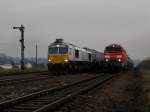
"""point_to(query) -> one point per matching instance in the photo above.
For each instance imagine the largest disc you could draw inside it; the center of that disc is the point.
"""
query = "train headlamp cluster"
(119, 57)
(119, 60)
(49, 60)
(107, 59)
(66, 60)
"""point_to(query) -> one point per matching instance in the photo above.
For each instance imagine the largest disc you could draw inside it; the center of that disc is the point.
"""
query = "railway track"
(21, 79)
(49, 99)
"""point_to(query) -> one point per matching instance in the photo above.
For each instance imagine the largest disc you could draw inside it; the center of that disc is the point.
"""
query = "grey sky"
(91, 23)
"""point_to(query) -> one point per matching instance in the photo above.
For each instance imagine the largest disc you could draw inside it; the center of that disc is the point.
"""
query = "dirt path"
(122, 94)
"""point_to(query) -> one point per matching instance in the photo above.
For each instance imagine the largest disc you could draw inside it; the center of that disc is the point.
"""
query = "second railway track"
(49, 99)
(15, 80)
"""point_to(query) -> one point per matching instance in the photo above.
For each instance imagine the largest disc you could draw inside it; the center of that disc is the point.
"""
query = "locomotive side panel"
(79, 54)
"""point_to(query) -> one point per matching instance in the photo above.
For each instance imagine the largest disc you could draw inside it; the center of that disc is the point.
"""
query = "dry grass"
(145, 64)
(145, 75)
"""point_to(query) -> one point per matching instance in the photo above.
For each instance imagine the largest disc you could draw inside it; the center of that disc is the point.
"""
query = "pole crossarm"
(21, 28)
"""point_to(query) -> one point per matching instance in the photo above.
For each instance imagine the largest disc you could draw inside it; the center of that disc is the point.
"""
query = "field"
(17, 71)
(145, 76)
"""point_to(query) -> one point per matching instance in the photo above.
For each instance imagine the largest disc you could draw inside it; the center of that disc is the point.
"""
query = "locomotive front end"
(114, 57)
(57, 56)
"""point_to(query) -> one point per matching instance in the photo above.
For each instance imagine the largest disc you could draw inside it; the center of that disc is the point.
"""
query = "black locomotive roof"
(114, 45)
(58, 42)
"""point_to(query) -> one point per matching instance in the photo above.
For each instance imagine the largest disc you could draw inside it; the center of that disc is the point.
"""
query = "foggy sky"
(85, 23)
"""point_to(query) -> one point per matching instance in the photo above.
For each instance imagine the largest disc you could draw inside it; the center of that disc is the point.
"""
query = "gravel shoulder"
(122, 94)
(20, 89)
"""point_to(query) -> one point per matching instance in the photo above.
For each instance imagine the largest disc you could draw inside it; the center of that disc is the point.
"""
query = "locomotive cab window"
(113, 49)
(53, 50)
(63, 50)
(58, 50)
(77, 53)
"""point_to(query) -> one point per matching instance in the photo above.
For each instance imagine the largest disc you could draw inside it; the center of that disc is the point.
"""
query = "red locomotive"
(116, 58)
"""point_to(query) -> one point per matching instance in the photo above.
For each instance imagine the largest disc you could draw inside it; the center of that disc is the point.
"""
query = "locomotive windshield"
(58, 50)
(63, 50)
(113, 49)
(53, 50)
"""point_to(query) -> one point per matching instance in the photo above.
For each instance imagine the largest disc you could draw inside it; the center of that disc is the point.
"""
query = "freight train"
(66, 57)
(116, 58)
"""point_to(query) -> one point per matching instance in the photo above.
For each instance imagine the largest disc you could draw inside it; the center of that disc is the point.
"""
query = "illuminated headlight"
(119, 60)
(107, 60)
(57, 45)
(49, 60)
(66, 60)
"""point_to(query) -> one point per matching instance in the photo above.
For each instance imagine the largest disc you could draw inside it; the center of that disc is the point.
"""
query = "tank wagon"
(116, 58)
(66, 57)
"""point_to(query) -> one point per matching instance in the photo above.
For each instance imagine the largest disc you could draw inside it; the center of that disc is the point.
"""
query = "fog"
(85, 23)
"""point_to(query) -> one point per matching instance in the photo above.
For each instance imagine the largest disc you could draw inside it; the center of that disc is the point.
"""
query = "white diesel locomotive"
(65, 57)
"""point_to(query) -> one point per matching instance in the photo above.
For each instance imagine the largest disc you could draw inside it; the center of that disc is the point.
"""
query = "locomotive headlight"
(119, 60)
(66, 60)
(107, 60)
(49, 60)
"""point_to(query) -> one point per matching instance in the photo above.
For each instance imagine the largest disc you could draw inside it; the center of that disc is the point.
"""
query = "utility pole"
(36, 56)
(21, 28)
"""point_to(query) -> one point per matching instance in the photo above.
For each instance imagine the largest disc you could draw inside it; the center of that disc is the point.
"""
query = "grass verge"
(18, 71)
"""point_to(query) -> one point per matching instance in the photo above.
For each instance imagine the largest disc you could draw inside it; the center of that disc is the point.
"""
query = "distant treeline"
(16, 60)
